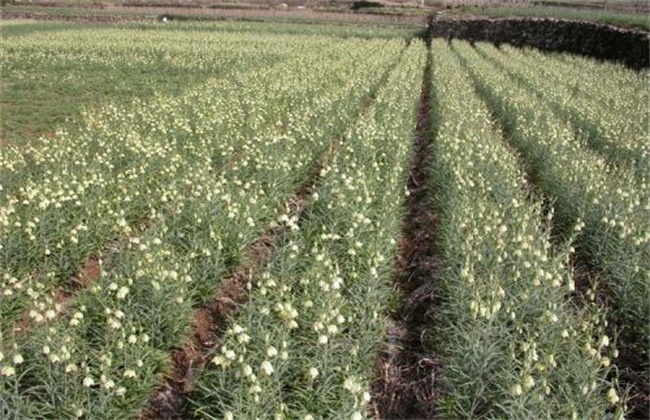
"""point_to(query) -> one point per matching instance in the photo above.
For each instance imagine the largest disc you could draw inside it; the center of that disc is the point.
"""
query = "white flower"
(356, 416)
(312, 373)
(604, 341)
(267, 368)
(612, 397)
(247, 371)
(8, 371)
(88, 382)
(352, 385)
(517, 390)
(529, 382)
(18, 359)
(271, 351)
(323, 339)
(121, 294)
(129, 373)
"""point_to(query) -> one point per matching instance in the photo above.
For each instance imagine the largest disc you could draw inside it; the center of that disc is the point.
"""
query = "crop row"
(607, 107)
(612, 202)
(116, 229)
(304, 345)
(510, 343)
(164, 193)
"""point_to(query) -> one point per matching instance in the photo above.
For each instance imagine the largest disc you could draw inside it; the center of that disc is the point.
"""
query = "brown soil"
(406, 386)
(114, 13)
(44, 15)
(88, 274)
(632, 375)
(65, 294)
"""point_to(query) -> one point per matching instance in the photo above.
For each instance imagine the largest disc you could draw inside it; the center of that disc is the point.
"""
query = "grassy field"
(255, 220)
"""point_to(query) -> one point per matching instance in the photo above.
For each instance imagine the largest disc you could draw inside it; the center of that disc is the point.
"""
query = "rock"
(599, 41)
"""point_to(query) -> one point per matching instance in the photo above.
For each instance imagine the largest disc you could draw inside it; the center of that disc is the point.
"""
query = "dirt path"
(116, 13)
(406, 386)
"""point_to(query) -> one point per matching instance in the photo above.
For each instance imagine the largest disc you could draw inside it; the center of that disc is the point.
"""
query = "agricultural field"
(252, 220)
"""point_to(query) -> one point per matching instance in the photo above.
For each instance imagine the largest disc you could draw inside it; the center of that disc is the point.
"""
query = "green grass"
(35, 99)
(58, 93)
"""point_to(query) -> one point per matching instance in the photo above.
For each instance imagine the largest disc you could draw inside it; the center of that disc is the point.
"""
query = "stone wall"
(595, 40)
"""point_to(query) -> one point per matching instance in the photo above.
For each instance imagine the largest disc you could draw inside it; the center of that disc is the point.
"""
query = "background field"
(253, 219)
(625, 13)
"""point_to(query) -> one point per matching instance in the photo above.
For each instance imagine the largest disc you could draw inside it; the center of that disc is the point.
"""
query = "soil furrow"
(406, 384)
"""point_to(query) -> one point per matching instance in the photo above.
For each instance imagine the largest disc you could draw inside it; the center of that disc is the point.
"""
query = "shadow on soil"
(406, 386)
